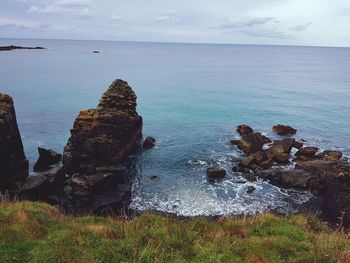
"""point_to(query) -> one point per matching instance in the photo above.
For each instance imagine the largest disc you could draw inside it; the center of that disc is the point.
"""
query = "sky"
(276, 22)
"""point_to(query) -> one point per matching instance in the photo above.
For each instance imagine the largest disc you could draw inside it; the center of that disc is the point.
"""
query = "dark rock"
(235, 142)
(13, 163)
(154, 178)
(325, 168)
(297, 145)
(47, 158)
(336, 201)
(330, 155)
(253, 142)
(295, 178)
(267, 164)
(280, 146)
(282, 158)
(244, 129)
(284, 130)
(36, 187)
(149, 143)
(216, 173)
(247, 161)
(307, 152)
(250, 189)
(106, 135)
(9, 48)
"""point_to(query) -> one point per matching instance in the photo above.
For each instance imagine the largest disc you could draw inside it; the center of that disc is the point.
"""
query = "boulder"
(284, 130)
(13, 164)
(149, 143)
(282, 158)
(253, 142)
(297, 145)
(244, 129)
(216, 173)
(330, 155)
(308, 152)
(295, 178)
(47, 158)
(280, 147)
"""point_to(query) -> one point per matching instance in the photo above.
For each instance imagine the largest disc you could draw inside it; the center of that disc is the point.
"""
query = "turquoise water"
(191, 97)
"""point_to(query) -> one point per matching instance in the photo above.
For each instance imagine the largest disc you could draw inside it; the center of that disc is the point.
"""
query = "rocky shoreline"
(91, 176)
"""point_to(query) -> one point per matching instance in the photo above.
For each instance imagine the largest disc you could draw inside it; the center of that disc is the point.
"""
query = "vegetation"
(37, 232)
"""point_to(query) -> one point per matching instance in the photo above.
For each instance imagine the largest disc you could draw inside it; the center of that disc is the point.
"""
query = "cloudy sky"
(291, 22)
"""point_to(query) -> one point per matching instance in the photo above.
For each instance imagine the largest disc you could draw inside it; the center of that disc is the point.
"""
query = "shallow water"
(191, 97)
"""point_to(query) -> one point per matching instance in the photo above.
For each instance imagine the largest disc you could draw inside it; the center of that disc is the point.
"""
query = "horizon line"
(173, 42)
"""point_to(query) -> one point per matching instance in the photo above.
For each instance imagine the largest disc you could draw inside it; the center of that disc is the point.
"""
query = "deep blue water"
(191, 96)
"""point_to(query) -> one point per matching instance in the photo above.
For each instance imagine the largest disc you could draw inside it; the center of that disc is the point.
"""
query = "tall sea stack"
(100, 140)
(13, 163)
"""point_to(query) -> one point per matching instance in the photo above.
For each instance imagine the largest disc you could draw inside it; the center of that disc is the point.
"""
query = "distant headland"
(10, 48)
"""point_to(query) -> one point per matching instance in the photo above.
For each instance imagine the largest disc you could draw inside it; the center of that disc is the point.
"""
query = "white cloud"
(170, 15)
(18, 23)
(116, 17)
(248, 22)
(77, 8)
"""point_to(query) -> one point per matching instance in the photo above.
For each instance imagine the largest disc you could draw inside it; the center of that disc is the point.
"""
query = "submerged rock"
(149, 143)
(216, 173)
(47, 158)
(284, 130)
(250, 189)
(13, 163)
(307, 152)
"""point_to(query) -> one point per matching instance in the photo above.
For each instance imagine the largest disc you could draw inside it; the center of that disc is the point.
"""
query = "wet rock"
(149, 143)
(325, 168)
(10, 48)
(297, 145)
(284, 130)
(106, 135)
(247, 161)
(280, 147)
(235, 142)
(47, 158)
(13, 163)
(253, 142)
(250, 189)
(244, 129)
(282, 158)
(216, 173)
(267, 164)
(330, 155)
(307, 152)
(295, 178)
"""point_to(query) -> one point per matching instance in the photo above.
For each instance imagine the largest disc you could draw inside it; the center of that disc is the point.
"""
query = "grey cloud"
(171, 15)
(79, 8)
(301, 27)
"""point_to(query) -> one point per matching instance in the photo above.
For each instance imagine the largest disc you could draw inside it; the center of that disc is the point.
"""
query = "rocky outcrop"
(284, 130)
(244, 129)
(13, 163)
(149, 143)
(326, 173)
(47, 158)
(106, 135)
(101, 139)
(214, 173)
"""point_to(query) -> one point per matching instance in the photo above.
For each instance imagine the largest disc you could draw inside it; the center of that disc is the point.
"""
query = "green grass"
(37, 232)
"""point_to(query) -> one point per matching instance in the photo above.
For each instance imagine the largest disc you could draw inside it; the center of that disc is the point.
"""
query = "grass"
(37, 232)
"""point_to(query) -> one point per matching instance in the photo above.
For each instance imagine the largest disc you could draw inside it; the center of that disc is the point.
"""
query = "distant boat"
(96, 52)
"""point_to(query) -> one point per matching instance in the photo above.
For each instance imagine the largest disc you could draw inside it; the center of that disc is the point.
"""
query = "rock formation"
(47, 158)
(13, 163)
(149, 143)
(284, 130)
(326, 173)
(100, 140)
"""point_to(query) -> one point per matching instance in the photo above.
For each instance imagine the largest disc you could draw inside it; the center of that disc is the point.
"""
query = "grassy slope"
(37, 232)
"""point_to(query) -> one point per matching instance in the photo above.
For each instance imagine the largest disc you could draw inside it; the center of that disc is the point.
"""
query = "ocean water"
(191, 97)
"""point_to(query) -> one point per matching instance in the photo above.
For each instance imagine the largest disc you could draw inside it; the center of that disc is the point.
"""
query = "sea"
(191, 98)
